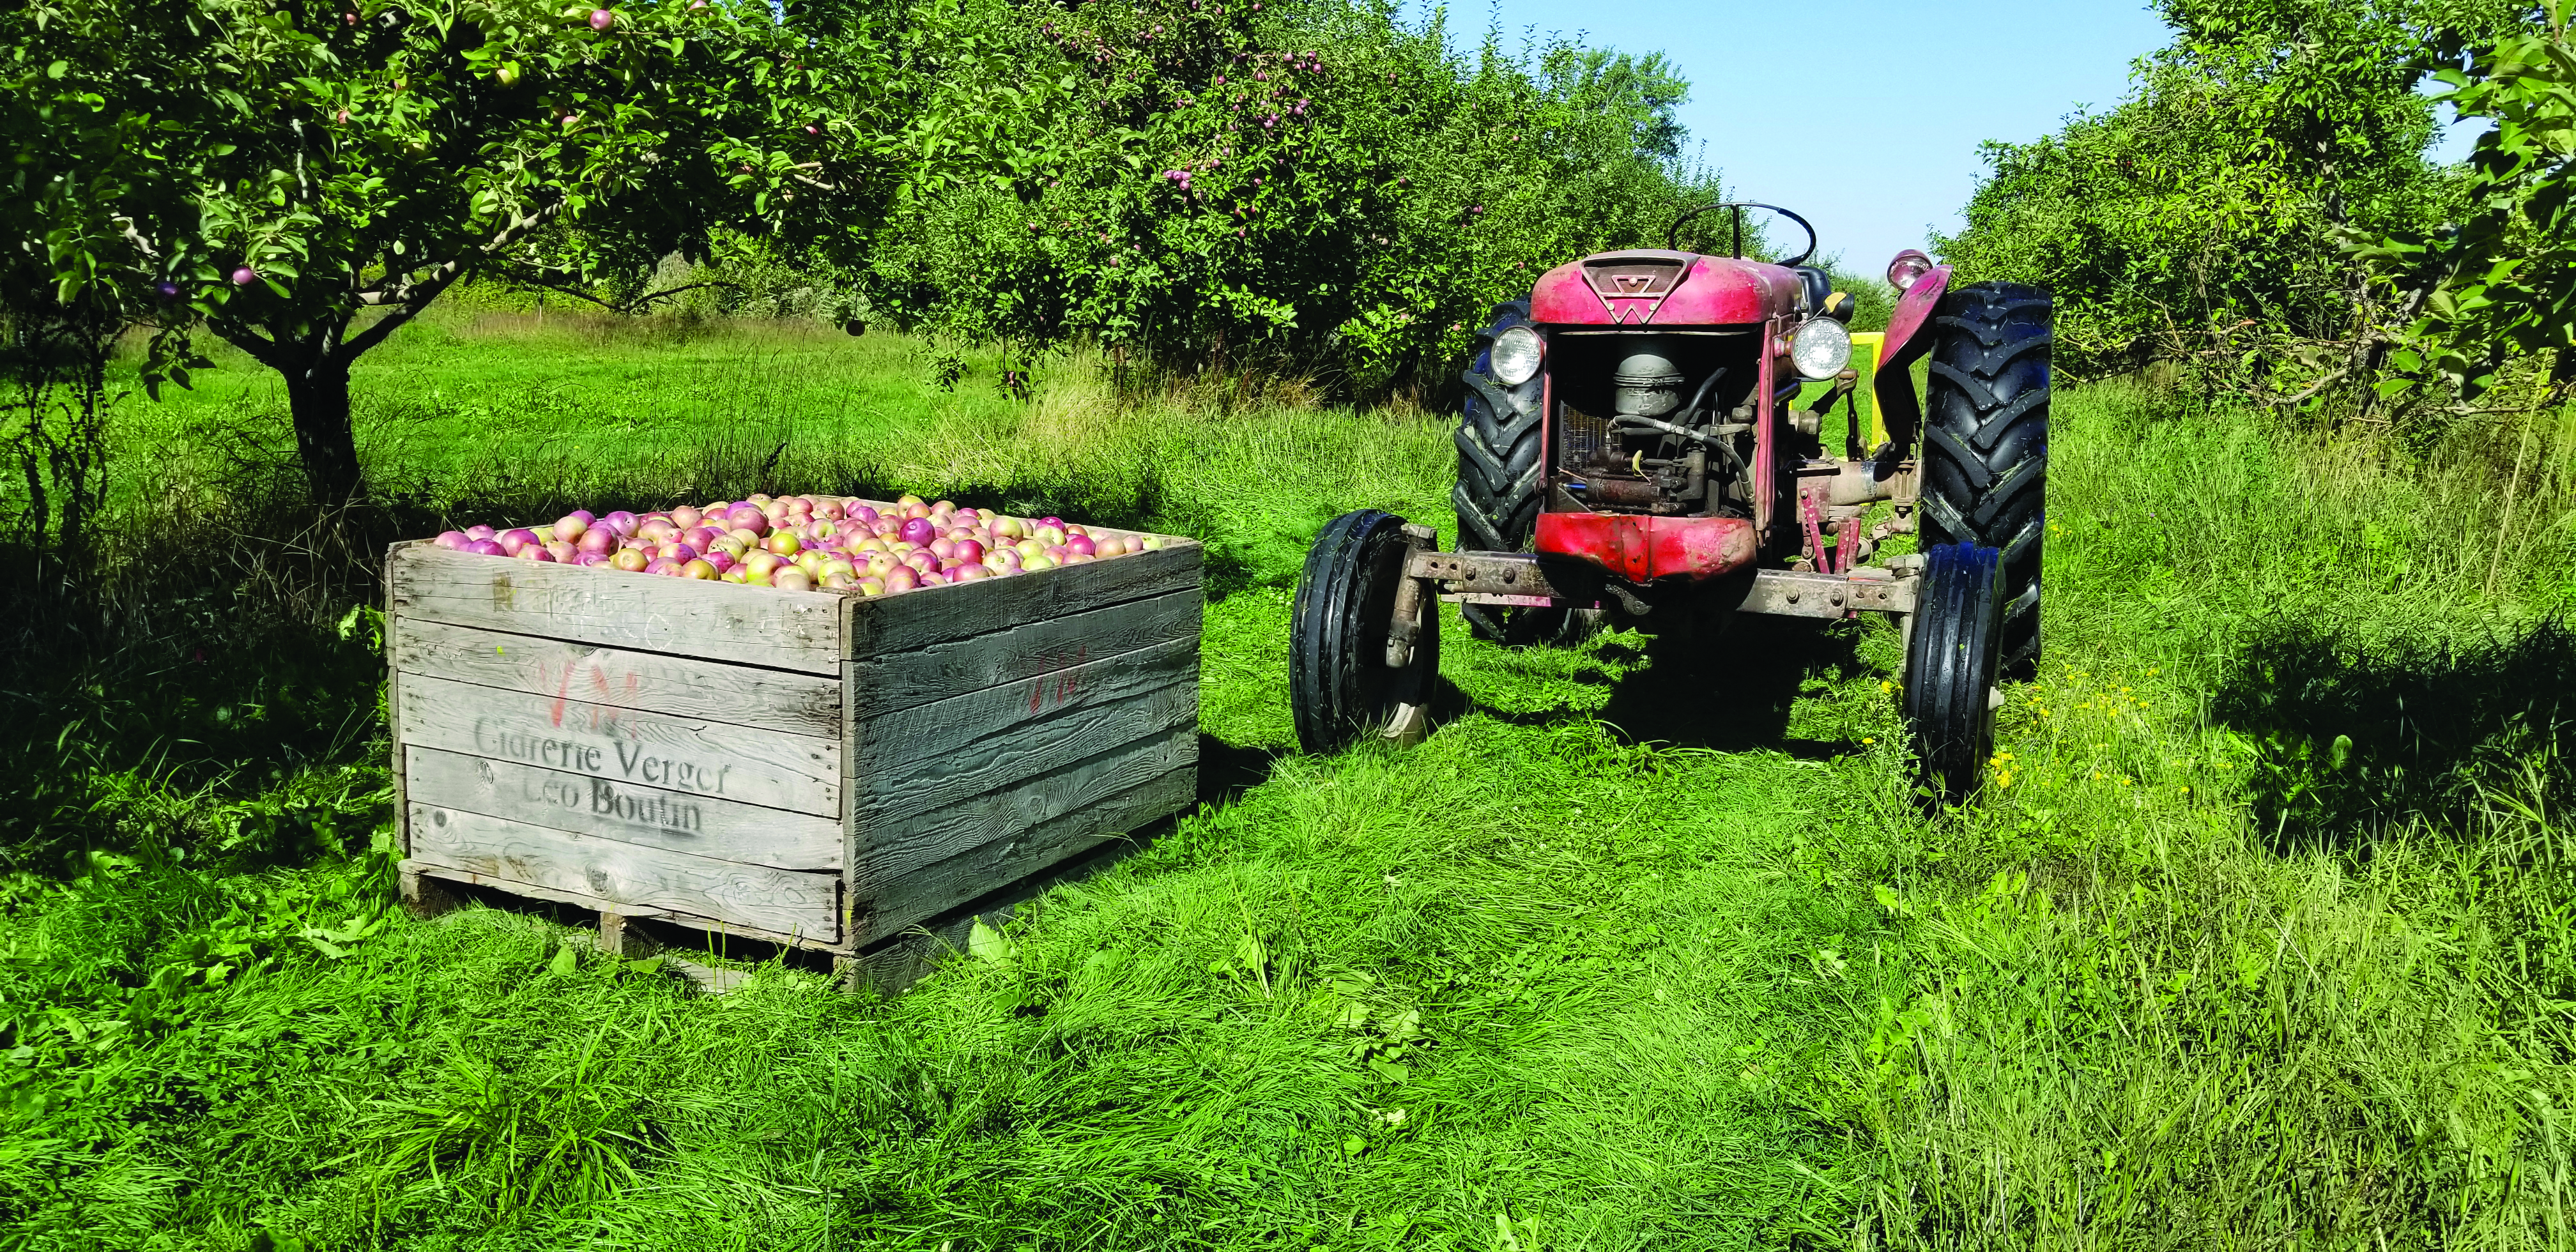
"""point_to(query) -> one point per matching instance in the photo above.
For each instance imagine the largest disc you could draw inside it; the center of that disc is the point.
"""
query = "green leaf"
(563, 963)
(988, 945)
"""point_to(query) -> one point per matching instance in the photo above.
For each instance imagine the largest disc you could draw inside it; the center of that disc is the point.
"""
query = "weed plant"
(2260, 936)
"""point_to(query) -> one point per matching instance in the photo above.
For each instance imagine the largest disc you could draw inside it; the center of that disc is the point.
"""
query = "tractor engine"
(1655, 423)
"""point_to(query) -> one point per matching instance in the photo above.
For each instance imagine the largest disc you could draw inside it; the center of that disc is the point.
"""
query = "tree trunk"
(318, 396)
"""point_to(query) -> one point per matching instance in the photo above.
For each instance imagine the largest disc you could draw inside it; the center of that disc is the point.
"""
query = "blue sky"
(1862, 115)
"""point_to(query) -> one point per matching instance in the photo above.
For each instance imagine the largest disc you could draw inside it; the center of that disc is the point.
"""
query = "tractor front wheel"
(1952, 653)
(1340, 686)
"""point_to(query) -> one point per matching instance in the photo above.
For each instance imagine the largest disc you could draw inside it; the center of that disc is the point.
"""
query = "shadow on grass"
(1730, 692)
(1227, 771)
(2350, 735)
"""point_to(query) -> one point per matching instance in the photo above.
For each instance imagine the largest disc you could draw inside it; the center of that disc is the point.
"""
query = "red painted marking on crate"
(563, 695)
(1064, 669)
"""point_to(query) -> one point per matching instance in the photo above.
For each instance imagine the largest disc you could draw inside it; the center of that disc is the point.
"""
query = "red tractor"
(1633, 452)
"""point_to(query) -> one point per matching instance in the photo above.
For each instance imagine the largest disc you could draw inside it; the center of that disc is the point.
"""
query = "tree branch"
(624, 307)
(257, 346)
(411, 294)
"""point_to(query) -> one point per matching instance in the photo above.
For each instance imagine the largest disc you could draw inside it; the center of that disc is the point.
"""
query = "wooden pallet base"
(888, 965)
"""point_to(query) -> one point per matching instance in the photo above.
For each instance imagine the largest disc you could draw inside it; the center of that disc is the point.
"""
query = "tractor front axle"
(1532, 580)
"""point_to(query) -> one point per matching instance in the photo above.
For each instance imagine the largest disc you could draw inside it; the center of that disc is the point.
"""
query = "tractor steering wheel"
(1672, 238)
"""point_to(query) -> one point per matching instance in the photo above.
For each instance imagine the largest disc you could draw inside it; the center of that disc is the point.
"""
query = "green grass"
(483, 394)
(1645, 947)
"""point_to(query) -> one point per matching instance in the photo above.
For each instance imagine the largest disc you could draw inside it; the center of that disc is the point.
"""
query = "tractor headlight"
(1908, 266)
(1516, 354)
(1821, 348)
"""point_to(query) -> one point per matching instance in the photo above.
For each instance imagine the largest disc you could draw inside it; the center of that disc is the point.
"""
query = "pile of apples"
(805, 543)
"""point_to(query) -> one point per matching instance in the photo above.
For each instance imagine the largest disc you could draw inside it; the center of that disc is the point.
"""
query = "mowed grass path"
(490, 395)
(1532, 981)
(1644, 948)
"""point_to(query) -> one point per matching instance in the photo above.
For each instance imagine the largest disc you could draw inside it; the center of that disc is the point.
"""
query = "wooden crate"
(810, 768)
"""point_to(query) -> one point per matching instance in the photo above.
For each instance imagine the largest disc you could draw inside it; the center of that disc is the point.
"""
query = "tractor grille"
(1582, 439)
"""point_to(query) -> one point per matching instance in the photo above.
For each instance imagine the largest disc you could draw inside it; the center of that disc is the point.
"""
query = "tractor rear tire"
(1951, 658)
(1339, 684)
(1985, 443)
(1502, 438)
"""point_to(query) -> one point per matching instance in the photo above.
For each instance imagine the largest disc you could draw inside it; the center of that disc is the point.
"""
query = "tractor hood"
(1655, 287)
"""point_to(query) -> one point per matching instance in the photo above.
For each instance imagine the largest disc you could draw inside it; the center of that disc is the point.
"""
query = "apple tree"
(302, 177)
(2501, 282)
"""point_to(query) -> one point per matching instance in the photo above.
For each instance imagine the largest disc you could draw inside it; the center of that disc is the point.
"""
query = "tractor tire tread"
(1339, 687)
(1501, 439)
(1951, 663)
(1985, 442)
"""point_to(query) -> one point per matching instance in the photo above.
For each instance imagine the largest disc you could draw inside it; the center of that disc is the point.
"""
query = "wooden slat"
(887, 746)
(888, 849)
(972, 768)
(798, 630)
(883, 624)
(738, 695)
(393, 710)
(891, 681)
(800, 773)
(617, 873)
(425, 870)
(654, 816)
(938, 887)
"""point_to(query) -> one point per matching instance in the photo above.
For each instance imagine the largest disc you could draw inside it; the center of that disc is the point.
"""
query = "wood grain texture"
(677, 820)
(881, 624)
(440, 873)
(393, 708)
(893, 681)
(885, 850)
(620, 874)
(980, 764)
(800, 773)
(738, 695)
(797, 630)
(935, 888)
(887, 746)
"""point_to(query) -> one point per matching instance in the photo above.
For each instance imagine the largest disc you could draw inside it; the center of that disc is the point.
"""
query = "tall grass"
(2271, 938)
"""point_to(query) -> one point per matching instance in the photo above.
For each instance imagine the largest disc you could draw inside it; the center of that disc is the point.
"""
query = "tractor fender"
(1909, 336)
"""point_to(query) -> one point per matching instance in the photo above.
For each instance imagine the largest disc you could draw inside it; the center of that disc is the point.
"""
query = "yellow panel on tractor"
(1865, 346)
